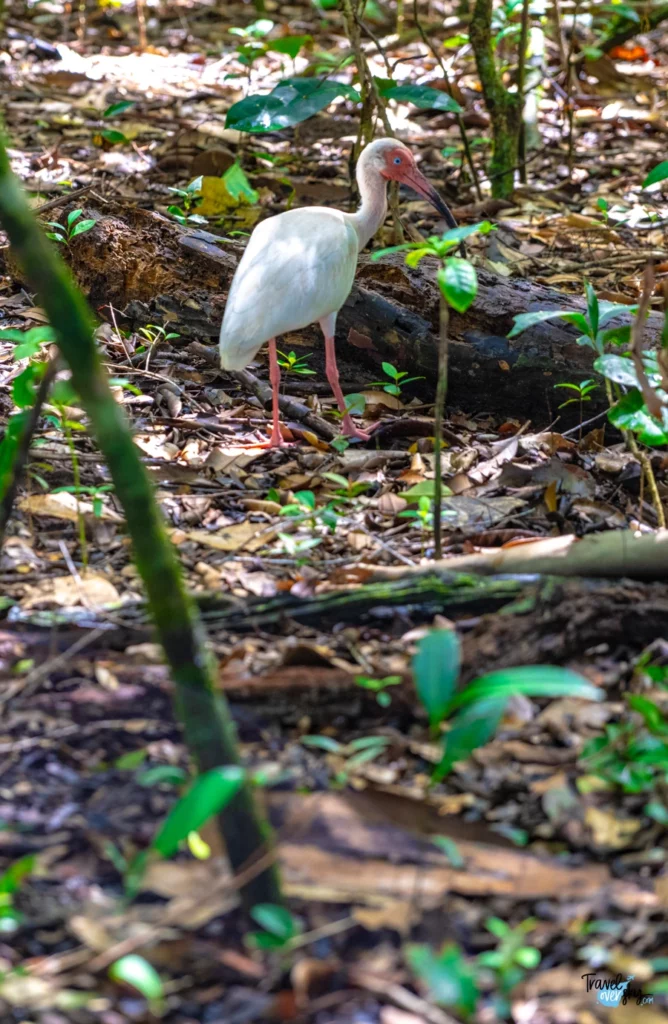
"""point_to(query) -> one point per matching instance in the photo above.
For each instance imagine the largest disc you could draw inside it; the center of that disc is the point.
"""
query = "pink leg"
(276, 439)
(331, 369)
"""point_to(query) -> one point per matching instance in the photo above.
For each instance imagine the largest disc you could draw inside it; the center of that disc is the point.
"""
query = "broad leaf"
(630, 413)
(118, 108)
(456, 235)
(424, 97)
(208, 795)
(658, 173)
(289, 45)
(609, 310)
(71, 217)
(11, 879)
(238, 185)
(472, 728)
(23, 387)
(291, 102)
(436, 670)
(82, 226)
(447, 975)
(530, 680)
(617, 368)
(140, 974)
(458, 282)
(525, 320)
(276, 920)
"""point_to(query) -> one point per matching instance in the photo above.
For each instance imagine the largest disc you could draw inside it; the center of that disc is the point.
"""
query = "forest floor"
(375, 860)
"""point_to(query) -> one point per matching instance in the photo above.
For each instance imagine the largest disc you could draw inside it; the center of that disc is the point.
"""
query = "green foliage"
(475, 711)
(458, 282)
(292, 363)
(191, 197)
(630, 755)
(450, 980)
(421, 96)
(137, 972)
(599, 312)
(582, 391)
(280, 927)
(440, 247)
(10, 882)
(64, 233)
(512, 958)
(396, 380)
(292, 101)
(238, 185)
(657, 174)
(209, 794)
(96, 494)
(379, 686)
(355, 753)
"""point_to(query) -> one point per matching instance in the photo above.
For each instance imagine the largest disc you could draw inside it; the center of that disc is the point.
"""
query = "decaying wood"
(154, 271)
(613, 554)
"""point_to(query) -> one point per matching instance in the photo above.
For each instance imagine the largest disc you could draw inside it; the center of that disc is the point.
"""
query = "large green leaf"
(134, 970)
(458, 282)
(208, 795)
(658, 173)
(424, 97)
(291, 102)
(617, 368)
(525, 320)
(592, 307)
(450, 979)
(530, 680)
(630, 413)
(436, 670)
(472, 728)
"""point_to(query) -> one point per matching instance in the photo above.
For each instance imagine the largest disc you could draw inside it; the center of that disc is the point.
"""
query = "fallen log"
(153, 270)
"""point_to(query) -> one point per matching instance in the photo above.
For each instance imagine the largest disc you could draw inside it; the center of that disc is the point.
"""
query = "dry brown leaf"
(609, 830)
(246, 535)
(63, 506)
(390, 504)
(91, 590)
(399, 915)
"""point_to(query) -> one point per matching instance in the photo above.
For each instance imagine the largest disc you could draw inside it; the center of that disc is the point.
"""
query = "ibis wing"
(298, 267)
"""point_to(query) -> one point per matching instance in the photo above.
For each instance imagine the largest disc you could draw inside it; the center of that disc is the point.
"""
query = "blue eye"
(397, 159)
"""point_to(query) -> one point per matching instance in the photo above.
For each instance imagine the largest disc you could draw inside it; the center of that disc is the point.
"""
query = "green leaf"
(449, 848)
(134, 970)
(617, 335)
(355, 404)
(390, 370)
(422, 96)
(592, 307)
(458, 283)
(238, 185)
(414, 256)
(291, 102)
(651, 713)
(454, 236)
(11, 879)
(163, 774)
(528, 957)
(207, 796)
(658, 173)
(322, 743)
(630, 413)
(472, 728)
(290, 45)
(276, 920)
(83, 225)
(579, 320)
(134, 758)
(71, 217)
(617, 368)
(306, 498)
(112, 136)
(609, 310)
(118, 108)
(23, 388)
(497, 927)
(525, 320)
(530, 680)
(436, 671)
(448, 977)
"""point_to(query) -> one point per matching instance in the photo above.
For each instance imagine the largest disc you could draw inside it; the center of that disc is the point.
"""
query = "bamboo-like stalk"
(208, 726)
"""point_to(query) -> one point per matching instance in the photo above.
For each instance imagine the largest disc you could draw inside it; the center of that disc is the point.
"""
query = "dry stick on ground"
(446, 78)
(23, 449)
(208, 726)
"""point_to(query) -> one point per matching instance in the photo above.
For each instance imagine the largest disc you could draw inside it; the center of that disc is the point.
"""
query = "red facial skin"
(400, 166)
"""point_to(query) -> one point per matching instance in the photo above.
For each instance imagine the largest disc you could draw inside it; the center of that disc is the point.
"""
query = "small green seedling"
(292, 363)
(582, 392)
(10, 882)
(356, 753)
(280, 927)
(96, 494)
(191, 197)
(138, 973)
(379, 687)
(64, 233)
(347, 490)
(396, 382)
(510, 961)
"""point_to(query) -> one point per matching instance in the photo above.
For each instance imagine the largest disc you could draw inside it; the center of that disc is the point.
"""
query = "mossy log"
(153, 271)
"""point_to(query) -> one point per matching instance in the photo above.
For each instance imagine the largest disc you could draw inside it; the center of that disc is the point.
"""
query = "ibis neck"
(373, 208)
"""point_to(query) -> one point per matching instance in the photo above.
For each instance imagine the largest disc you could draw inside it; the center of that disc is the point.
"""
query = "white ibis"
(299, 267)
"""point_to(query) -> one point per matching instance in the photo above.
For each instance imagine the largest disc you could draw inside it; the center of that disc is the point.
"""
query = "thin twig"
(446, 79)
(62, 200)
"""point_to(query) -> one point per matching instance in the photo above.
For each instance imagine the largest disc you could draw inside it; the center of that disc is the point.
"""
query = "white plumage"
(299, 267)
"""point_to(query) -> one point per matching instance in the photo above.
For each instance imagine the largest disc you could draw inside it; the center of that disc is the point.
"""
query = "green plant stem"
(208, 726)
(504, 107)
(441, 394)
(570, 77)
(23, 450)
(460, 121)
